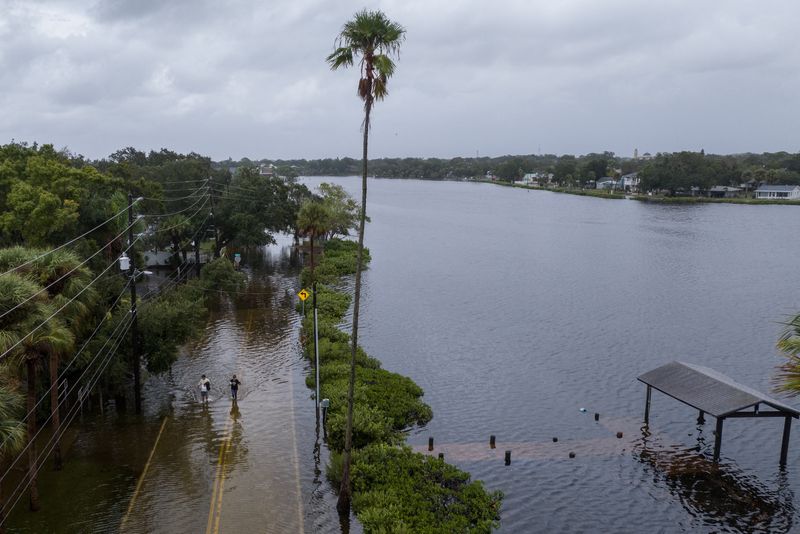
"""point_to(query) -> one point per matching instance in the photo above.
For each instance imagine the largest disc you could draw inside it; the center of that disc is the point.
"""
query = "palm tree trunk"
(31, 402)
(343, 504)
(54, 360)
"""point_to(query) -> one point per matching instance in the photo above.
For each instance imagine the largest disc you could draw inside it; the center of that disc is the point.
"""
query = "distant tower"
(635, 153)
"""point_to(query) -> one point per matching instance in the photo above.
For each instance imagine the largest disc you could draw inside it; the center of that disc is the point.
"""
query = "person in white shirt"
(205, 387)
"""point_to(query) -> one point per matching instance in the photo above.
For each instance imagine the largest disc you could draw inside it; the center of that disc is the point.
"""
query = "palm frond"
(341, 57)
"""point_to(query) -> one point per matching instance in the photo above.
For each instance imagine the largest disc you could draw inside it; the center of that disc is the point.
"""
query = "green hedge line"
(394, 489)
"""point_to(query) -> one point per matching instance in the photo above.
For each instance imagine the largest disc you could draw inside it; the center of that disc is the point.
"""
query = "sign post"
(303, 296)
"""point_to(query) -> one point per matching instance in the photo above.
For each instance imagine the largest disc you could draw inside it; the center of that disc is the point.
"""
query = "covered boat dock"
(713, 393)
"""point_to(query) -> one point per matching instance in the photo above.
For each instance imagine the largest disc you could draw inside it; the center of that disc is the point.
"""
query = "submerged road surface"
(250, 466)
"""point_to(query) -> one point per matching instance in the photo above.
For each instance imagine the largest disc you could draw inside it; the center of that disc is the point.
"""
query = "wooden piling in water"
(430, 444)
(491, 442)
(508, 458)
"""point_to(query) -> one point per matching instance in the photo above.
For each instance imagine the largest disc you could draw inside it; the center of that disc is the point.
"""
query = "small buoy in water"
(583, 410)
(555, 439)
(619, 434)
(572, 455)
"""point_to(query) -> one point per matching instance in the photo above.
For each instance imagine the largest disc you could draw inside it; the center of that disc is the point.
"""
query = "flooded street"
(251, 466)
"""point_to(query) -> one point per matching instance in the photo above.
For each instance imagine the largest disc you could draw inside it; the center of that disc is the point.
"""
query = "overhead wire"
(128, 320)
(186, 263)
(70, 301)
(160, 215)
(65, 275)
(69, 417)
(68, 242)
(204, 189)
(80, 351)
(188, 217)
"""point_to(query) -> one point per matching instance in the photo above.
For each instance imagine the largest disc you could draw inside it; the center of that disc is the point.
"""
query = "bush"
(398, 490)
(394, 489)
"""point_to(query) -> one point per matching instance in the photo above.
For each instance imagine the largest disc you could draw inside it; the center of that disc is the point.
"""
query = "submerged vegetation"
(394, 488)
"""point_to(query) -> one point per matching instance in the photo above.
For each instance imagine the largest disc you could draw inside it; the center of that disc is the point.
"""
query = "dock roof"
(708, 390)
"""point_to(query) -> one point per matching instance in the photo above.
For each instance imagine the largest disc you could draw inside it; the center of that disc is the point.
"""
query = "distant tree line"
(671, 172)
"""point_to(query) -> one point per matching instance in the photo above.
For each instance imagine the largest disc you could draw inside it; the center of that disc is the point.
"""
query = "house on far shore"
(630, 182)
(723, 191)
(607, 182)
(778, 192)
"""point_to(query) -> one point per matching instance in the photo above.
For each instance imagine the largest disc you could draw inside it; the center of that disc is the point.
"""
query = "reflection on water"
(719, 494)
(225, 467)
(514, 309)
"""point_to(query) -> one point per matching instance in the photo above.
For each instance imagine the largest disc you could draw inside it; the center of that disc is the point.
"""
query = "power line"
(75, 356)
(32, 440)
(188, 217)
(177, 198)
(69, 242)
(80, 351)
(63, 276)
(160, 215)
(70, 301)
(69, 417)
(184, 181)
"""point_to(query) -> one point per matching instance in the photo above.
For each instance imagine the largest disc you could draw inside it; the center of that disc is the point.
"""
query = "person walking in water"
(205, 387)
(235, 388)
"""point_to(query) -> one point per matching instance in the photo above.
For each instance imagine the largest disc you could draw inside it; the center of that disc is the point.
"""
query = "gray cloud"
(249, 78)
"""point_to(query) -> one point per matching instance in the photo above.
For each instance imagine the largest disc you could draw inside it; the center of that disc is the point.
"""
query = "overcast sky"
(248, 78)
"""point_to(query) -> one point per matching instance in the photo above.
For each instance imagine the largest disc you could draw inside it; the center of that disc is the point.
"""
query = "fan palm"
(376, 39)
(313, 220)
(789, 344)
(28, 331)
(66, 284)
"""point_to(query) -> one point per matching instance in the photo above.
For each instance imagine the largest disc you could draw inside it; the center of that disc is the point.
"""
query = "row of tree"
(64, 306)
(669, 171)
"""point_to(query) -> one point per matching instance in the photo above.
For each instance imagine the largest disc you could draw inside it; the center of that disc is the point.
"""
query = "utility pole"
(197, 255)
(316, 345)
(137, 386)
(213, 221)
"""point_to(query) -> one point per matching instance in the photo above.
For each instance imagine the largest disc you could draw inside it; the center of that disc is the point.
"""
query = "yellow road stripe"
(217, 479)
(144, 473)
(222, 484)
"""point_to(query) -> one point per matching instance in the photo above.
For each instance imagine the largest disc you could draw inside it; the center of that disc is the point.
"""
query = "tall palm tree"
(376, 39)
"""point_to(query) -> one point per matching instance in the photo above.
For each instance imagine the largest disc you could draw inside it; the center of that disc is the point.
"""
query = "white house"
(775, 192)
(630, 182)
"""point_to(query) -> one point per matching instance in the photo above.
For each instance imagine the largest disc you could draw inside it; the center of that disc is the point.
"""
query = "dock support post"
(701, 419)
(787, 427)
(647, 406)
(718, 439)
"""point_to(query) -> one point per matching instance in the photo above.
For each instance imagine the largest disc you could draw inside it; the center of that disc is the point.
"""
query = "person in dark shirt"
(234, 387)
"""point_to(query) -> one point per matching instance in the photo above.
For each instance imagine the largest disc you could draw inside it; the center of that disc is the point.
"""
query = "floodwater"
(514, 309)
(253, 466)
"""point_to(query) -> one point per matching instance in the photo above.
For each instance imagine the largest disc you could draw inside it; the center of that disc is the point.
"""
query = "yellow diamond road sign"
(303, 294)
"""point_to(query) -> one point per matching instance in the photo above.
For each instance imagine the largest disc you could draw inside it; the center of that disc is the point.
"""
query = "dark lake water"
(514, 309)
